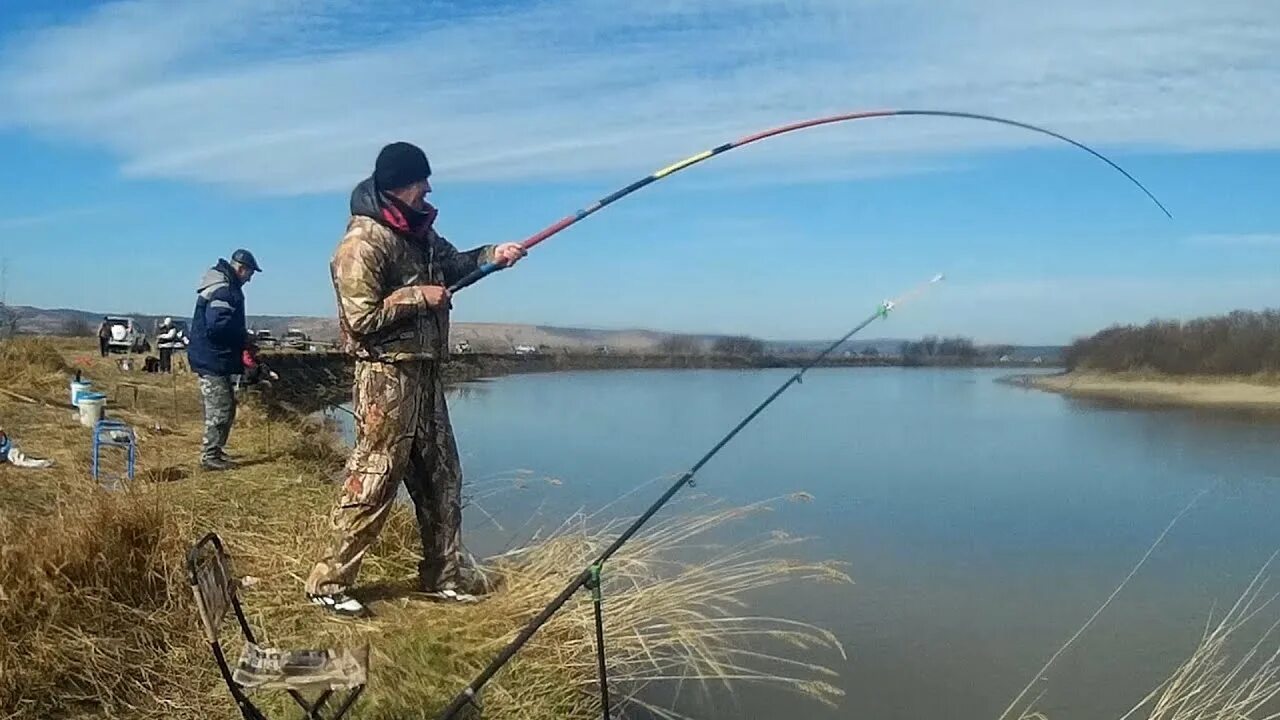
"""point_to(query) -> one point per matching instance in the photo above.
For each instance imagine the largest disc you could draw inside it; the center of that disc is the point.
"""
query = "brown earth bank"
(1226, 392)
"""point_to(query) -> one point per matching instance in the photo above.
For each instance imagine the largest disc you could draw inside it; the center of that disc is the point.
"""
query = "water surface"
(982, 523)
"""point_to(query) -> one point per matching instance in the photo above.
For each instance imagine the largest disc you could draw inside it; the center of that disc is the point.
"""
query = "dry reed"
(97, 621)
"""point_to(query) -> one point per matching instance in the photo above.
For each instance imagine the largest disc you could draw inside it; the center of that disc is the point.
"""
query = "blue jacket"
(218, 331)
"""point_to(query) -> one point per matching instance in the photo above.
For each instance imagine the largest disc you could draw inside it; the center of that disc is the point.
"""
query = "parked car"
(296, 339)
(126, 336)
(526, 350)
(265, 339)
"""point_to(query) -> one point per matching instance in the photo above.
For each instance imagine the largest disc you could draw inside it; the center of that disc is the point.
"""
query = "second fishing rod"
(589, 577)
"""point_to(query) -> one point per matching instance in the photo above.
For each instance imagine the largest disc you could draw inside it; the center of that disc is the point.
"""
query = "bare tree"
(947, 351)
(739, 345)
(680, 345)
(76, 327)
(8, 316)
(930, 345)
(8, 321)
(1239, 343)
(957, 347)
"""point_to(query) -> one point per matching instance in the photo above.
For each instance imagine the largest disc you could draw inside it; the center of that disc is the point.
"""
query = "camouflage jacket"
(381, 315)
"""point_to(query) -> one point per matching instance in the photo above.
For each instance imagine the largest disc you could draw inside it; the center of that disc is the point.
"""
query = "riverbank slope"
(1249, 393)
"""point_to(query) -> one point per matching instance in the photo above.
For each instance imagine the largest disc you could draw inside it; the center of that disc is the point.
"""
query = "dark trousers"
(166, 359)
(102, 346)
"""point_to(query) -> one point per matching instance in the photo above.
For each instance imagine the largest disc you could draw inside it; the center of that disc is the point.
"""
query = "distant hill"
(56, 321)
(1051, 354)
(488, 337)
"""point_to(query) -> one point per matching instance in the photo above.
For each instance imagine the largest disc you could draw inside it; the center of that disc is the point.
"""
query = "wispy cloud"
(1238, 240)
(51, 218)
(294, 96)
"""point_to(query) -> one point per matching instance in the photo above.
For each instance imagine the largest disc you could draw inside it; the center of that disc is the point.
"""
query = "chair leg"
(313, 711)
(346, 704)
(308, 710)
(250, 711)
(246, 706)
(320, 701)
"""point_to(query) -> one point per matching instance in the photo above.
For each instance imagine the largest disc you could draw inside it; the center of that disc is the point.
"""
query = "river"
(982, 523)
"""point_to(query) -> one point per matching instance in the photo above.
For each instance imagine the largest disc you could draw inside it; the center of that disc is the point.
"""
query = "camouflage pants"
(218, 393)
(402, 435)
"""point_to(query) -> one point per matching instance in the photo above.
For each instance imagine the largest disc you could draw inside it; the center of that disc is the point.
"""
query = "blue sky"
(142, 139)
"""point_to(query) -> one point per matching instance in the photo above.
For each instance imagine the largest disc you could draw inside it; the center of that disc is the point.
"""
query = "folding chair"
(325, 672)
(114, 433)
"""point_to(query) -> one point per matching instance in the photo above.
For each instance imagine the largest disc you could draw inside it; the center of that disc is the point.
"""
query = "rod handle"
(475, 276)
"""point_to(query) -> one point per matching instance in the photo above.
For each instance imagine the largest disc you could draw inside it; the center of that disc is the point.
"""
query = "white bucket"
(78, 388)
(91, 405)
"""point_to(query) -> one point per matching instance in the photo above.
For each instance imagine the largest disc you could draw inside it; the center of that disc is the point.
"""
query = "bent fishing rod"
(489, 268)
(591, 573)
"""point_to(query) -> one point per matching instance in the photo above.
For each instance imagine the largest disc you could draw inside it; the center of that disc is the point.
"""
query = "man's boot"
(470, 584)
(216, 463)
(340, 603)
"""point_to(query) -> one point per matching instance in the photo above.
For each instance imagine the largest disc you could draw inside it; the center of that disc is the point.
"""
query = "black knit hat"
(400, 165)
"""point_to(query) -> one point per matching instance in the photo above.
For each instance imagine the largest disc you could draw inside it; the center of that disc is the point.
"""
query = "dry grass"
(34, 361)
(97, 620)
(87, 606)
(1228, 392)
(1233, 673)
(1230, 675)
(669, 620)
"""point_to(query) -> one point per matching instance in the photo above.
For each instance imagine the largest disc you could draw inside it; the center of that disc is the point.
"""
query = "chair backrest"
(213, 583)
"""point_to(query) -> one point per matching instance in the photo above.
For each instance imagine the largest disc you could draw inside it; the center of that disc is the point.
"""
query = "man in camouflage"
(391, 272)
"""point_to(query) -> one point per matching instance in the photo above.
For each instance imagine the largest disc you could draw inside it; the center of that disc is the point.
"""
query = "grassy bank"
(1227, 392)
(97, 617)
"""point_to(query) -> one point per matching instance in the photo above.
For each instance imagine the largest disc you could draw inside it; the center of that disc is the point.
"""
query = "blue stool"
(106, 433)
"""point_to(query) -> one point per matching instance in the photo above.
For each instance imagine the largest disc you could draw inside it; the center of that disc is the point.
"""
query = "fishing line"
(489, 268)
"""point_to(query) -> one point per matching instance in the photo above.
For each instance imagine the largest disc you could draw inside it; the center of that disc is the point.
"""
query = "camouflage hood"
(368, 201)
(387, 251)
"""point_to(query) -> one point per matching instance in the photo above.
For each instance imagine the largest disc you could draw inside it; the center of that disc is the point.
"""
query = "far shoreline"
(1156, 390)
(314, 380)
